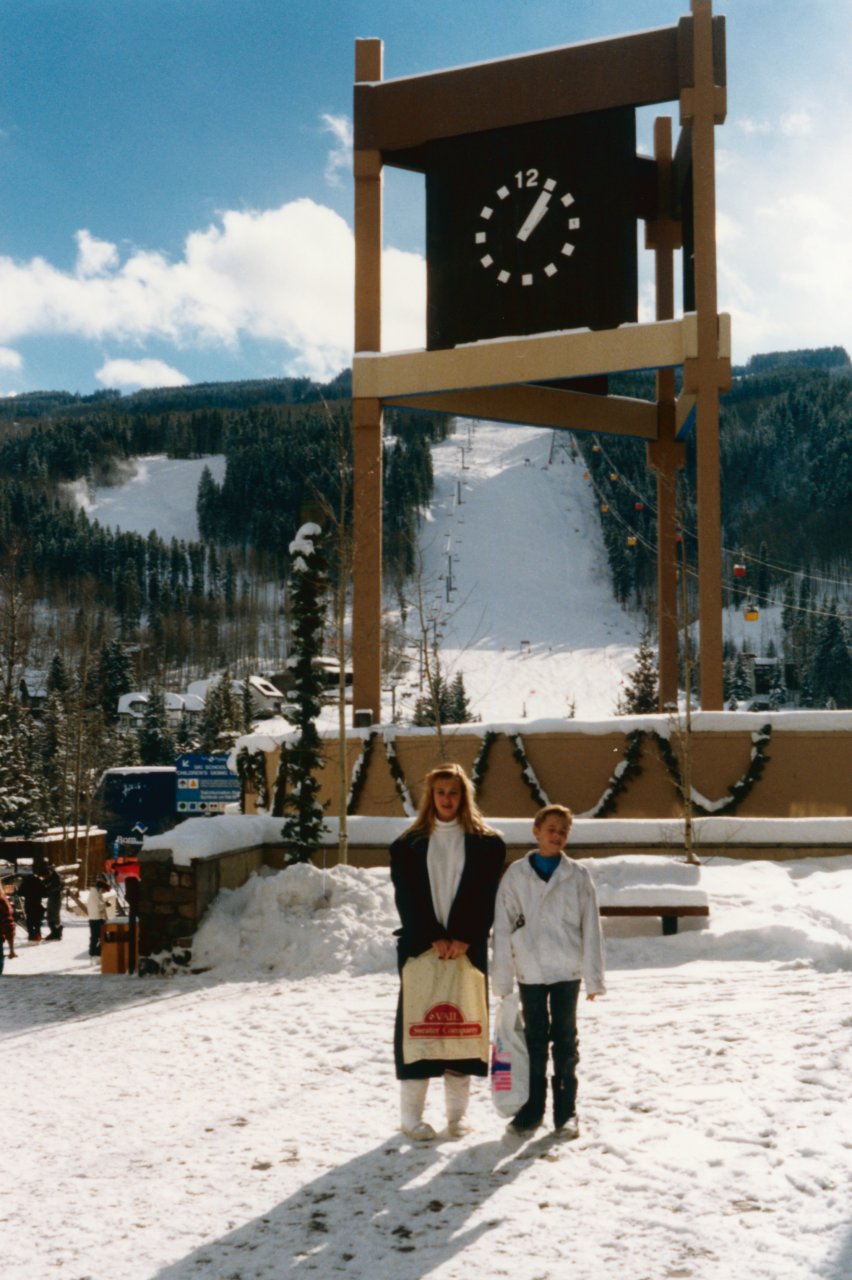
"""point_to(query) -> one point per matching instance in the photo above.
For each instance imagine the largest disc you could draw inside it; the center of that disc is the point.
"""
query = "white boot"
(412, 1100)
(457, 1096)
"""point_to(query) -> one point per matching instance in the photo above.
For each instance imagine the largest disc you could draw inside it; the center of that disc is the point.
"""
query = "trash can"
(115, 945)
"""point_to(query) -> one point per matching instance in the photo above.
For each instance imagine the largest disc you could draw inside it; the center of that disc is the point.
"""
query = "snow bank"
(304, 921)
(301, 922)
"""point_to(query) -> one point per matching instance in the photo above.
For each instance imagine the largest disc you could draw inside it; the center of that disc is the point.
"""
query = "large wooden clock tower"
(534, 191)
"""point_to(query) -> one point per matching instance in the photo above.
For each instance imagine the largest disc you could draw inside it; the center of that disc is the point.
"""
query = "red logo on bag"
(444, 1021)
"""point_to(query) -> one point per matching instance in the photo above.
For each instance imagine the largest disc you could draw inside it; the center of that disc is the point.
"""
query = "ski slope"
(159, 493)
(529, 618)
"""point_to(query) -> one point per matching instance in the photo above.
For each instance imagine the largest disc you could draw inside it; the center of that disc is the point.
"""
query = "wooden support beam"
(700, 105)
(538, 358)
(367, 417)
(543, 407)
(665, 456)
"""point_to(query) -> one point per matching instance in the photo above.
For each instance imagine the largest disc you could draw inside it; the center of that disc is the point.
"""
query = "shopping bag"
(444, 1009)
(510, 1063)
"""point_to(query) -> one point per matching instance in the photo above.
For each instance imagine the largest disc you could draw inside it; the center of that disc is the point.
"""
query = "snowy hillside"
(159, 494)
(531, 620)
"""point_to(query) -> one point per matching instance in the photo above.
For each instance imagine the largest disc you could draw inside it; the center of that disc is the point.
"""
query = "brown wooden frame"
(394, 122)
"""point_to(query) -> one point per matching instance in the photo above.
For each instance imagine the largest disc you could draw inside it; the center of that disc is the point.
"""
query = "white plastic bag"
(510, 1063)
(444, 1009)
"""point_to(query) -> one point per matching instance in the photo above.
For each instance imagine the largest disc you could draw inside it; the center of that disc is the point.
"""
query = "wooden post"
(665, 454)
(704, 104)
(367, 417)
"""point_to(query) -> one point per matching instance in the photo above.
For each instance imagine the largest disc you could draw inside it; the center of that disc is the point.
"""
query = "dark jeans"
(95, 927)
(34, 918)
(550, 1017)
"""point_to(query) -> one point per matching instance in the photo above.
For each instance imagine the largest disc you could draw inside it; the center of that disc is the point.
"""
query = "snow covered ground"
(241, 1123)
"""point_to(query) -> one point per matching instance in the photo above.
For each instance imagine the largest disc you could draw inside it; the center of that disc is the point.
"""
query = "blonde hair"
(469, 814)
(553, 811)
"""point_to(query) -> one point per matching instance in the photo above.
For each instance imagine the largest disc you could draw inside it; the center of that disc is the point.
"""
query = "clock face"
(532, 229)
(528, 229)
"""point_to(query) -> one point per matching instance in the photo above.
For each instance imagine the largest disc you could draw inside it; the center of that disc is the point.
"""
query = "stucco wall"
(807, 771)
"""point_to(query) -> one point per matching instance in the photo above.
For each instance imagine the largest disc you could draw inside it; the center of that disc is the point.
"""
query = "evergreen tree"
(185, 739)
(429, 710)
(220, 721)
(459, 707)
(831, 662)
(246, 706)
(740, 683)
(301, 759)
(641, 694)
(53, 747)
(21, 788)
(778, 692)
(156, 744)
(58, 681)
(113, 677)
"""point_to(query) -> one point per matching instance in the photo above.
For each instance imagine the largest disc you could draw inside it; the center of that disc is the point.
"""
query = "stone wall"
(173, 899)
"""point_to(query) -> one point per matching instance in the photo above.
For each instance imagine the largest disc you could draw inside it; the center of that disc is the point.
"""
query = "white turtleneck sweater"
(445, 862)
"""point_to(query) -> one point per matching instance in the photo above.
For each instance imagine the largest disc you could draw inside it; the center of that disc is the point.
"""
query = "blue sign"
(204, 784)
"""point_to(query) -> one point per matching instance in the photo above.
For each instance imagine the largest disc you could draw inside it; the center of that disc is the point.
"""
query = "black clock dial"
(532, 229)
(527, 230)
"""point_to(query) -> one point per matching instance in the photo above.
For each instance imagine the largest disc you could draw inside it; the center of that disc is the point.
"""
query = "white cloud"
(94, 257)
(339, 160)
(749, 125)
(10, 359)
(281, 275)
(785, 255)
(140, 373)
(797, 124)
(793, 124)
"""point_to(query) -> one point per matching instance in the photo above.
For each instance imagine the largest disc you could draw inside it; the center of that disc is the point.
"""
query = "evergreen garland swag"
(480, 764)
(528, 772)
(630, 767)
(627, 768)
(738, 791)
(399, 778)
(359, 772)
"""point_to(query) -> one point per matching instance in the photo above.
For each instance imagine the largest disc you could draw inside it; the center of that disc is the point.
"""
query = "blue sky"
(176, 199)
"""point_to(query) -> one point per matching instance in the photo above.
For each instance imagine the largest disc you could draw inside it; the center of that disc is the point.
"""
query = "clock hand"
(534, 216)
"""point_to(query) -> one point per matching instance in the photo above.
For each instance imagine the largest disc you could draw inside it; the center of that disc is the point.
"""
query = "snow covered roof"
(132, 703)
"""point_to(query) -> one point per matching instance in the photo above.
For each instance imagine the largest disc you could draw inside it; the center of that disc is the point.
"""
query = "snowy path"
(531, 620)
(241, 1124)
(186, 1138)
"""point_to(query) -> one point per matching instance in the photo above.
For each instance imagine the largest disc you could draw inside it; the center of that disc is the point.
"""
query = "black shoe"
(531, 1113)
(564, 1100)
(569, 1130)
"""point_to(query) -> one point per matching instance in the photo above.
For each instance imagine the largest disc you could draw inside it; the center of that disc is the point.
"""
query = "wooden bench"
(670, 913)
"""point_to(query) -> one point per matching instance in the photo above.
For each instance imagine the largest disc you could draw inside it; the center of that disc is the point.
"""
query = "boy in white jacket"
(547, 933)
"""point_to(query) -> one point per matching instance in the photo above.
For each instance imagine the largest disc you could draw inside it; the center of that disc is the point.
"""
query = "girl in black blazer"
(445, 870)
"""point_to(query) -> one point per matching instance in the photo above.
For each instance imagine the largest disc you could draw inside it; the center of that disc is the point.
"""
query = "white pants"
(413, 1098)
